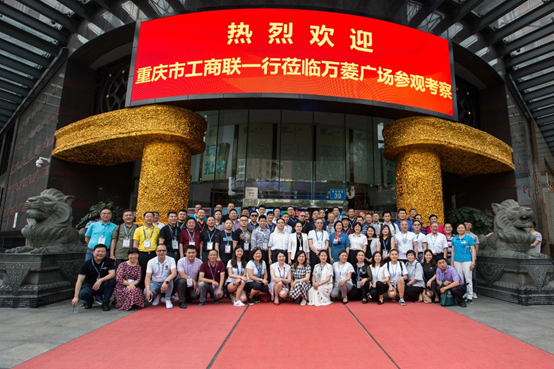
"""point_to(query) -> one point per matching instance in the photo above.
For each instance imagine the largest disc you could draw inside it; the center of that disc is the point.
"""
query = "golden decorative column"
(423, 147)
(163, 137)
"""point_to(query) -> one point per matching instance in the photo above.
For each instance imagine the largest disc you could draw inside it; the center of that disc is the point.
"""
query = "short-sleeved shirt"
(239, 270)
(280, 272)
(208, 236)
(99, 230)
(257, 270)
(419, 238)
(187, 237)
(190, 269)
(121, 233)
(212, 273)
(169, 233)
(537, 248)
(223, 239)
(415, 271)
(462, 248)
(410, 225)
(160, 270)
(394, 272)
(392, 227)
(318, 238)
(436, 242)
(404, 242)
(260, 238)
(450, 274)
(357, 242)
(92, 271)
(143, 233)
(378, 273)
(341, 272)
(200, 226)
(242, 237)
(279, 241)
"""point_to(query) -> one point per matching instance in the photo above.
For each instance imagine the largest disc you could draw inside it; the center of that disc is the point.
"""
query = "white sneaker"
(163, 300)
(238, 303)
(168, 304)
(474, 295)
(303, 303)
(156, 300)
(233, 300)
(174, 298)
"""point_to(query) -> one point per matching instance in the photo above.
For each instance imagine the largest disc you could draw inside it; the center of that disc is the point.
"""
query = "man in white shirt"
(376, 224)
(386, 221)
(278, 241)
(157, 223)
(160, 273)
(536, 246)
(436, 242)
(288, 228)
(404, 241)
(318, 240)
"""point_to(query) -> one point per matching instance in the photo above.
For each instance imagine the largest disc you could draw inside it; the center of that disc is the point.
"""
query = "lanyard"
(404, 238)
(300, 240)
(238, 268)
(263, 232)
(210, 236)
(101, 266)
(181, 226)
(377, 272)
(104, 228)
(149, 237)
(320, 272)
(259, 269)
(244, 235)
(281, 237)
(386, 243)
(317, 238)
(394, 269)
(191, 238)
(213, 271)
(227, 236)
(284, 270)
(127, 234)
(190, 269)
(416, 236)
(358, 271)
(201, 226)
(340, 269)
(271, 227)
(173, 232)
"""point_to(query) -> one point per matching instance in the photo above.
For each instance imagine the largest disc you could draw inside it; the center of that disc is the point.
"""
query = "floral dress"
(124, 297)
(300, 288)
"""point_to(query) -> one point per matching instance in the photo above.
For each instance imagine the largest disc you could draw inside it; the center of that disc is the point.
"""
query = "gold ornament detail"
(159, 135)
(422, 147)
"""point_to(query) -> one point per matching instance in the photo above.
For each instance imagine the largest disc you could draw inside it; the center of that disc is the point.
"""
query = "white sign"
(251, 193)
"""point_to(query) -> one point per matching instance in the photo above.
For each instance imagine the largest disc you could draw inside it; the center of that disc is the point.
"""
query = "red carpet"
(414, 334)
(271, 336)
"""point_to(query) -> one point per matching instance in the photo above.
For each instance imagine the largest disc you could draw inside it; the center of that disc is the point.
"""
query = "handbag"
(447, 299)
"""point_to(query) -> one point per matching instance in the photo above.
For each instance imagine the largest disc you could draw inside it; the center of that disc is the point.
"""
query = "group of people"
(275, 256)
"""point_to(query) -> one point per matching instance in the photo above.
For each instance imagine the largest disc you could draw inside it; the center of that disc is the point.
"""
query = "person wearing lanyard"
(224, 242)
(404, 240)
(346, 227)
(449, 279)
(211, 278)
(207, 238)
(386, 242)
(463, 257)
(270, 225)
(256, 274)
(436, 242)
(343, 277)
(401, 217)
(322, 281)
(169, 236)
(358, 241)
(386, 221)
(187, 284)
(372, 243)
(292, 216)
(122, 239)
(218, 222)
(281, 277)
(288, 228)
(376, 224)
(260, 239)
(303, 218)
(361, 279)
(99, 233)
(96, 278)
(318, 240)
(236, 269)
(156, 221)
(253, 223)
(396, 275)
(378, 283)
(160, 273)
(448, 233)
(200, 220)
(419, 237)
(415, 284)
(351, 218)
(182, 223)
(330, 228)
(145, 240)
(298, 241)
(338, 241)
(242, 236)
(189, 237)
(278, 241)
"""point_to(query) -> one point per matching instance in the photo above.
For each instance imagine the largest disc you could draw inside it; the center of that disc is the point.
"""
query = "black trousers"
(186, 294)
(412, 293)
(357, 294)
(256, 286)
(314, 259)
(380, 289)
(144, 258)
(458, 292)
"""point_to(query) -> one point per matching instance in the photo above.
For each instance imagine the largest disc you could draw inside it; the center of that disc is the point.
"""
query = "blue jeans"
(420, 256)
(89, 254)
(208, 288)
(156, 288)
(106, 289)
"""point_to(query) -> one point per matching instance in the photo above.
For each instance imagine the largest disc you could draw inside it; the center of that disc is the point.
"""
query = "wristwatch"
(166, 282)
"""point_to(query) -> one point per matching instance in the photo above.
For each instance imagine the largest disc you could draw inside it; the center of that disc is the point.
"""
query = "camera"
(41, 161)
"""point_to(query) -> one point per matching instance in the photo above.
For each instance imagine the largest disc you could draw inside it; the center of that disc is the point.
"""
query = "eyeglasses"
(161, 250)
(254, 216)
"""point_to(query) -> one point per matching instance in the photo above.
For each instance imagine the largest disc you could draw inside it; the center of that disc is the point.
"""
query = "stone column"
(419, 182)
(164, 178)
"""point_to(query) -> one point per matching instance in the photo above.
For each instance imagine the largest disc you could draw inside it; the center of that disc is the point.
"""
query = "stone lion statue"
(511, 237)
(48, 228)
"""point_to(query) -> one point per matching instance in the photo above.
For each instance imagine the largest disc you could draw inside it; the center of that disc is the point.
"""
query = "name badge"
(175, 244)
(227, 249)
(265, 245)
(189, 282)
(335, 241)
(318, 245)
(131, 280)
(191, 243)
(246, 246)
(126, 243)
(147, 244)
(358, 284)
(210, 246)
(102, 240)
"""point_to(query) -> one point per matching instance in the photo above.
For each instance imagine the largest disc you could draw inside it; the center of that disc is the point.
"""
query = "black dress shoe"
(182, 305)
(462, 304)
(88, 306)
(106, 307)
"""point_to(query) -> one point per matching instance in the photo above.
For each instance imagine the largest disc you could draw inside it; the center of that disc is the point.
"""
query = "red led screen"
(293, 52)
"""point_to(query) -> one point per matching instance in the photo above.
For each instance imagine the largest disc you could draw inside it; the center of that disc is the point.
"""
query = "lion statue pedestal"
(506, 267)
(44, 271)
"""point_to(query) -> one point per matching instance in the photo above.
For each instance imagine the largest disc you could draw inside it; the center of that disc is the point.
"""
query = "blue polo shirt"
(97, 230)
(410, 223)
(462, 248)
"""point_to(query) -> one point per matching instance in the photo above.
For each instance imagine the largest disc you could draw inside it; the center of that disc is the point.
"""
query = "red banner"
(293, 52)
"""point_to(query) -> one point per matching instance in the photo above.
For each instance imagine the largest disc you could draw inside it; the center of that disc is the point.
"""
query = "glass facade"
(292, 155)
